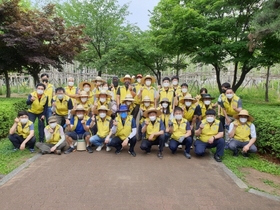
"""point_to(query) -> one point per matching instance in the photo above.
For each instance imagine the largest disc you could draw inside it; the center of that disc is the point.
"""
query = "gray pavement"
(107, 181)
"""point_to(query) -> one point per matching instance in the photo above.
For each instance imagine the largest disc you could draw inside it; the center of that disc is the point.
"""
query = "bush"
(267, 122)
(8, 111)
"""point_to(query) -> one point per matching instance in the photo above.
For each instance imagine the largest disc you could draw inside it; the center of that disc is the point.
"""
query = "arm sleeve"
(162, 128)
(222, 104)
(230, 127)
(28, 101)
(133, 133)
(118, 91)
(47, 134)
(62, 135)
(72, 121)
(239, 104)
(31, 127)
(70, 104)
(197, 110)
(220, 99)
(221, 129)
(253, 131)
(188, 127)
(88, 122)
(133, 123)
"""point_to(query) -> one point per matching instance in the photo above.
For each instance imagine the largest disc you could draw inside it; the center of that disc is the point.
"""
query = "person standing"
(148, 90)
(125, 89)
(50, 92)
(70, 90)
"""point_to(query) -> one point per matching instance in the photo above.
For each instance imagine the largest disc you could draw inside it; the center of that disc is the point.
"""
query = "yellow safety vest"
(188, 114)
(178, 90)
(23, 131)
(204, 109)
(209, 130)
(148, 92)
(61, 106)
(123, 131)
(85, 105)
(181, 96)
(169, 94)
(137, 89)
(76, 119)
(123, 93)
(228, 106)
(37, 107)
(103, 127)
(49, 92)
(106, 103)
(242, 132)
(179, 130)
(143, 108)
(55, 135)
(71, 91)
(153, 128)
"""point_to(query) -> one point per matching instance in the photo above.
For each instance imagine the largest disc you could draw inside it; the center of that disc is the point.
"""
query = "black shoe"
(217, 158)
(245, 154)
(118, 151)
(235, 153)
(132, 153)
(160, 155)
(71, 149)
(89, 149)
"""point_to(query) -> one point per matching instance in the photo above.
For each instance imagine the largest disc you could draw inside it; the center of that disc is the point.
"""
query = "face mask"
(210, 119)
(164, 105)
(187, 103)
(40, 92)
(83, 100)
(102, 100)
(87, 89)
(45, 81)
(115, 83)
(52, 125)
(184, 90)
(207, 102)
(175, 82)
(128, 103)
(146, 104)
(123, 114)
(178, 116)
(166, 84)
(70, 84)
(223, 90)
(243, 120)
(80, 116)
(148, 83)
(105, 88)
(152, 118)
(139, 80)
(60, 96)
(102, 115)
(229, 96)
(23, 121)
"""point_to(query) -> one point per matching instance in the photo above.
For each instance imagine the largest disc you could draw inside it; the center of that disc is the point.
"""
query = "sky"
(139, 11)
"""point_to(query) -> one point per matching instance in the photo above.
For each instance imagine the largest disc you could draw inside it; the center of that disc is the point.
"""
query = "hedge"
(267, 122)
(8, 111)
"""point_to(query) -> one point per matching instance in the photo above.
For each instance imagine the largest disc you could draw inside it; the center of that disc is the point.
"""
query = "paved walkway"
(107, 181)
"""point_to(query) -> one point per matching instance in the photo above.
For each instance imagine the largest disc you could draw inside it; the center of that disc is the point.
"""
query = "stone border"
(13, 173)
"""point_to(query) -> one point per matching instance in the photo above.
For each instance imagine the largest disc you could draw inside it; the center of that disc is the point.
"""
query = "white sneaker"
(99, 148)
(108, 149)
(166, 144)
(180, 147)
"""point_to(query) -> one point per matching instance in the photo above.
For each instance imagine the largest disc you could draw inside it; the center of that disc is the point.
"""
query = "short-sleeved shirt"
(79, 128)
(252, 129)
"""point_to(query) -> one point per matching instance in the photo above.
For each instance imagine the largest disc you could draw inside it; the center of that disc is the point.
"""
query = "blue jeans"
(235, 144)
(96, 140)
(173, 144)
(48, 114)
(41, 124)
(200, 147)
(166, 137)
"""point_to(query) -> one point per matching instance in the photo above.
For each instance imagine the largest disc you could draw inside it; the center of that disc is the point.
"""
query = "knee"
(144, 146)
(253, 149)
(199, 151)
(232, 145)
(189, 140)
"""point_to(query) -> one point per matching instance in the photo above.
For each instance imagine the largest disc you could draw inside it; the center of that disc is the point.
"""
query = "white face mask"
(80, 116)
(40, 92)
(52, 125)
(178, 116)
(207, 102)
(128, 103)
(229, 96)
(102, 100)
(175, 82)
(184, 90)
(165, 84)
(102, 115)
(71, 84)
(23, 121)
(243, 120)
(105, 88)
(139, 80)
(152, 118)
(210, 119)
(86, 89)
(187, 103)
(83, 100)
(60, 96)
(164, 105)
(148, 82)
(146, 104)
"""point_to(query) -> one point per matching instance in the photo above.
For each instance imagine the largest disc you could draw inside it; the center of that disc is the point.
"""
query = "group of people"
(117, 115)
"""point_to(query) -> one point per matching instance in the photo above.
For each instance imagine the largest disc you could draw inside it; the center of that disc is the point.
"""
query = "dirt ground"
(262, 181)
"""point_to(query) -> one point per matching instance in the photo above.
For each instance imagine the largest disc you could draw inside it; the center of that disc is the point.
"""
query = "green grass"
(271, 183)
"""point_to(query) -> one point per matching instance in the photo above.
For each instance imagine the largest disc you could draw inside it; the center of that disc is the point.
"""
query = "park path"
(107, 181)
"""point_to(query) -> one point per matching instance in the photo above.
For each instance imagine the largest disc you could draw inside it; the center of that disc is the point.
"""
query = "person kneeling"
(125, 131)
(210, 134)
(55, 138)
(243, 134)
(181, 133)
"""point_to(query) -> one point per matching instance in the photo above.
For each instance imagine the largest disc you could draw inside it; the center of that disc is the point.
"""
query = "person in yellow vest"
(49, 91)
(61, 106)
(133, 108)
(55, 138)
(175, 85)
(88, 88)
(182, 94)
(102, 99)
(201, 92)
(114, 87)
(243, 134)
(98, 84)
(125, 89)
(82, 99)
(205, 103)
(166, 117)
(148, 90)
(167, 92)
(138, 85)
(22, 132)
(70, 90)
(180, 133)
(221, 98)
(103, 123)
(77, 128)
(146, 104)
(124, 131)
(210, 134)
(153, 130)
(38, 107)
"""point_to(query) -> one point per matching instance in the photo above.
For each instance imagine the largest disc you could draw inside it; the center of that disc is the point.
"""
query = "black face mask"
(126, 84)
(223, 90)
(115, 83)
(45, 81)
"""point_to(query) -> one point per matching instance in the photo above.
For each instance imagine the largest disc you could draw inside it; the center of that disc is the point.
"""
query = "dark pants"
(200, 146)
(235, 145)
(173, 144)
(17, 140)
(46, 147)
(41, 124)
(117, 143)
(146, 144)
(166, 137)
(223, 121)
(135, 111)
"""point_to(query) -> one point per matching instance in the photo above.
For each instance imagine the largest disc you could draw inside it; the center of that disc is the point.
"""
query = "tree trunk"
(244, 72)
(218, 71)
(8, 88)
(266, 84)
(235, 73)
(36, 78)
(99, 73)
